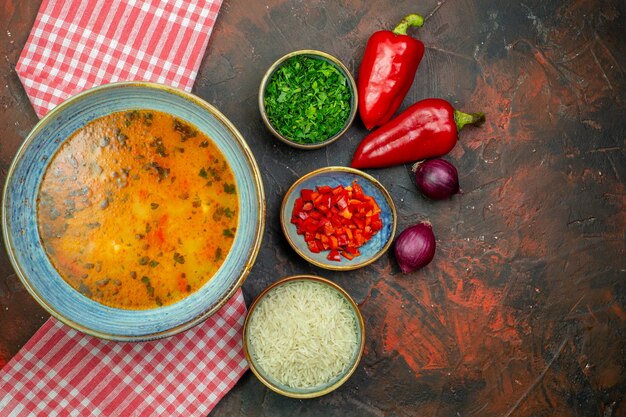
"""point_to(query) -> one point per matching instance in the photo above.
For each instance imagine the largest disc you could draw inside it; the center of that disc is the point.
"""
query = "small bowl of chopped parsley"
(308, 99)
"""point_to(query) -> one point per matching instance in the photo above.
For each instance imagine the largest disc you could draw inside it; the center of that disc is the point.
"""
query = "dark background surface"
(523, 310)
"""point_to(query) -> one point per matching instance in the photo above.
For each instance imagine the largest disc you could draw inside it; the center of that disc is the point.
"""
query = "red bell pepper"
(427, 129)
(387, 71)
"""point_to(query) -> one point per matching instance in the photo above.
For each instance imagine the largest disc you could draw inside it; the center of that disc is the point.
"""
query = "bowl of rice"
(303, 336)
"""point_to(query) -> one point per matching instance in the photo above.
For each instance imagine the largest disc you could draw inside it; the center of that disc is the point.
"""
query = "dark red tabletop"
(523, 310)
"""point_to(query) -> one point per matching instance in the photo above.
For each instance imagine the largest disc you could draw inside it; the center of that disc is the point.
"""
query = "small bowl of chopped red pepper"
(338, 218)
(308, 99)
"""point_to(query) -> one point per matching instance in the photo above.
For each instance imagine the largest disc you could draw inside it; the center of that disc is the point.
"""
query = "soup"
(138, 209)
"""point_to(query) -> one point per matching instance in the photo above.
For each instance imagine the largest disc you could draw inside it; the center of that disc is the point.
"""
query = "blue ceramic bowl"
(19, 214)
(334, 176)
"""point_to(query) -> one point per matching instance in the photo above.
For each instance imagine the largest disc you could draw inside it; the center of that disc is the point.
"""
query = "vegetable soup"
(138, 209)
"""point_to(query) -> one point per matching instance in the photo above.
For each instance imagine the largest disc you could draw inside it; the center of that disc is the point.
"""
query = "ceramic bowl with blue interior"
(319, 390)
(23, 242)
(334, 176)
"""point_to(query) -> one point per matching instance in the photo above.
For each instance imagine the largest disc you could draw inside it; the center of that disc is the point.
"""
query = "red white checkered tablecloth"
(62, 372)
(78, 44)
(75, 45)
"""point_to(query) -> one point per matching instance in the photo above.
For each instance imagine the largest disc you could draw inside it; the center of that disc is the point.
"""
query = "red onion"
(437, 178)
(415, 247)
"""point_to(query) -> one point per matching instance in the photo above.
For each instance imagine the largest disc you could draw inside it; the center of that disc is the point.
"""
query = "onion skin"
(437, 179)
(415, 247)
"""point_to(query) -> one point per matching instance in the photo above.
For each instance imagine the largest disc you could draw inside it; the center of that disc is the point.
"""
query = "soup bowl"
(23, 240)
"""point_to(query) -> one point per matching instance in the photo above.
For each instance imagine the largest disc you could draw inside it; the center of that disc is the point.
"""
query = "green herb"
(218, 254)
(130, 116)
(103, 282)
(204, 144)
(157, 169)
(121, 137)
(307, 99)
(218, 213)
(159, 147)
(229, 188)
(229, 232)
(229, 213)
(178, 258)
(149, 287)
(185, 130)
(205, 172)
(153, 263)
(144, 260)
(84, 289)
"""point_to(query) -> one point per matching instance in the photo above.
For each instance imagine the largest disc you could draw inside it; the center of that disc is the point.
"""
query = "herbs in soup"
(138, 209)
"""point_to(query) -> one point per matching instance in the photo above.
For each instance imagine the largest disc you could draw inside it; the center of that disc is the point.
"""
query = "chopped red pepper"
(339, 219)
(334, 255)
(306, 195)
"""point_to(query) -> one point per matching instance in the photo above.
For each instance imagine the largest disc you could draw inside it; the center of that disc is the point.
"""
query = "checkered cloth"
(74, 45)
(78, 44)
(62, 372)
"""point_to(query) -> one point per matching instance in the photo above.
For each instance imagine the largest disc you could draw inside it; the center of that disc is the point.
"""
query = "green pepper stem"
(461, 119)
(408, 21)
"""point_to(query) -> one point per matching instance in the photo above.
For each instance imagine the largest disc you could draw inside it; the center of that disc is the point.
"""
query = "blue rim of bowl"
(284, 219)
(254, 250)
(268, 382)
(317, 54)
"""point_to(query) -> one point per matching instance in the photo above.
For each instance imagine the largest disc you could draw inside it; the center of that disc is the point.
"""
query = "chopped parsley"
(307, 99)
(178, 258)
(149, 287)
(185, 130)
(159, 147)
(229, 188)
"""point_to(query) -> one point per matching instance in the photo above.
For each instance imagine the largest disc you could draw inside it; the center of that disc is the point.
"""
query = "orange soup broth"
(138, 209)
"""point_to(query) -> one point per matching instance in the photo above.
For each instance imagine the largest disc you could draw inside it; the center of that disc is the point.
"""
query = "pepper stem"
(408, 21)
(461, 119)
